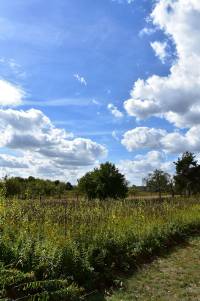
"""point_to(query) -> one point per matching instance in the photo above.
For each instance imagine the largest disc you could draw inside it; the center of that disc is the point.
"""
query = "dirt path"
(175, 277)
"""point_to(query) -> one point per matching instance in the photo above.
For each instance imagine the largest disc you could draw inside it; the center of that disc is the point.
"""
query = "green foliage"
(158, 181)
(103, 183)
(15, 285)
(185, 162)
(34, 188)
(187, 178)
(133, 190)
(51, 249)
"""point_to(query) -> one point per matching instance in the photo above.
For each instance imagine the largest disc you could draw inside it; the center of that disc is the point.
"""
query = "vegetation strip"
(85, 244)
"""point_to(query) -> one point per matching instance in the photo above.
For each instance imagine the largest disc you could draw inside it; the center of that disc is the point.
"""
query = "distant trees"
(33, 187)
(133, 190)
(186, 181)
(104, 182)
(158, 181)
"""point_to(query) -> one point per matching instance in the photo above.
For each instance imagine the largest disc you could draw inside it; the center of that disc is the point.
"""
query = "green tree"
(13, 187)
(34, 188)
(133, 190)
(158, 181)
(69, 186)
(103, 183)
(187, 172)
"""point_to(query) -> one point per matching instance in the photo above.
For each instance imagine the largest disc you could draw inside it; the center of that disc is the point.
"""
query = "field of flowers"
(64, 250)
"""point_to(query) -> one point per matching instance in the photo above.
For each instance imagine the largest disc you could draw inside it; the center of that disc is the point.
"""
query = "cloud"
(138, 168)
(61, 102)
(37, 166)
(147, 31)
(10, 94)
(123, 1)
(115, 136)
(80, 79)
(160, 49)
(12, 65)
(96, 102)
(175, 97)
(151, 138)
(7, 161)
(143, 137)
(114, 111)
(32, 132)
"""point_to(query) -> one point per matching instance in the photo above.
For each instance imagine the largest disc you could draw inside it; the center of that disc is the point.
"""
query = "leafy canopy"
(104, 182)
(158, 181)
(187, 176)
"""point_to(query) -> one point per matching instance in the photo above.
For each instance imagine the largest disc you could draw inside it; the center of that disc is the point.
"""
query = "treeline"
(186, 180)
(33, 187)
(107, 182)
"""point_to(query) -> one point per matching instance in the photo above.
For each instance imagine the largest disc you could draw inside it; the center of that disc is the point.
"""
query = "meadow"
(68, 250)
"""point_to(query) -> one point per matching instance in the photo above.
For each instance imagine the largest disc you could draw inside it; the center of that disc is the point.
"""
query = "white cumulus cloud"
(10, 94)
(33, 132)
(143, 137)
(175, 97)
(169, 142)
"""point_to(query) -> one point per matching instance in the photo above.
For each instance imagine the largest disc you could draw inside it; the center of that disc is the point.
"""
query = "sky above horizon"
(88, 81)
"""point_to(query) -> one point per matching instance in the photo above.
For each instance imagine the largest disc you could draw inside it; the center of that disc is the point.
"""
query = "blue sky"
(71, 59)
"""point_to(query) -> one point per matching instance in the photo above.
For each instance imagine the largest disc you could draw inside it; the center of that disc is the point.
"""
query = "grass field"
(174, 277)
(64, 250)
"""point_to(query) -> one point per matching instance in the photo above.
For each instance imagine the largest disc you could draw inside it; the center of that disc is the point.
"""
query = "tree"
(133, 190)
(187, 173)
(104, 182)
(12, 186)
(158, 181)
(68, 186)
(33, 187)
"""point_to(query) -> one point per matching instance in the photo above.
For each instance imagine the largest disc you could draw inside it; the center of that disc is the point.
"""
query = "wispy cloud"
(13, 66)
(96, 102)
(115, 136)
(62, 102)
(80, 79)
(147, 31)
(114, 111)
(123, 1)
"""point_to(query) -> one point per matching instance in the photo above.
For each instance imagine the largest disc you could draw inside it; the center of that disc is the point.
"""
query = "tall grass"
(88, 243)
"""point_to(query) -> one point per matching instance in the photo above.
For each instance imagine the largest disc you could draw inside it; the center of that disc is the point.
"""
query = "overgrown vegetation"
(34, 188)
(51, 249)
(65, 249)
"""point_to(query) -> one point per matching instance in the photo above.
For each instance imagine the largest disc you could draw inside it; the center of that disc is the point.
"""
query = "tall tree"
(187, 172)
(158, 181)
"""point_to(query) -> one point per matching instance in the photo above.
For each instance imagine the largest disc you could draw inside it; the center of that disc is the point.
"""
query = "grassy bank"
(172, 277)
(58, 248)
